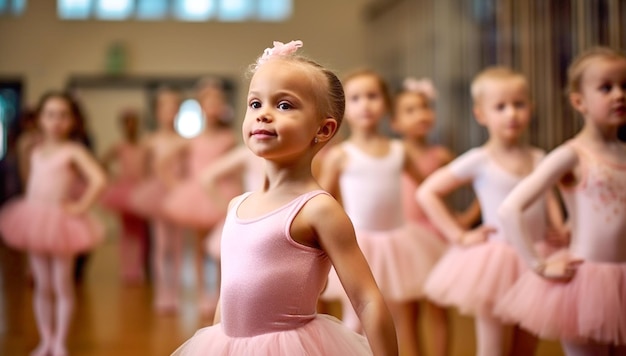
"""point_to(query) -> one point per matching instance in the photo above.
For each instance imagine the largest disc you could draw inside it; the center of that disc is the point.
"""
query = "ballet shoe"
(60, 350)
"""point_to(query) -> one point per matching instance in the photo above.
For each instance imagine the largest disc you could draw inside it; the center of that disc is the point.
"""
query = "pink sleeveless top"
(52, 178)
(597, 208)
(370, 188)
(427, 165)
(131, 159)
(270, 282)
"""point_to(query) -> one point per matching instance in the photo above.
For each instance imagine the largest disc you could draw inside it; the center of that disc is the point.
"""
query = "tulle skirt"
(147, 199)
(400, 260)
(324, 335)
(46, 228)
(117, 195)
(590, 307)
(189, 205)
(473, 279)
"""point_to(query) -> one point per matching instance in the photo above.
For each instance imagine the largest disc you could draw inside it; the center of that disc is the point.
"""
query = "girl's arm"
(217, 318)
(109, 157)
(552, 168)
(431, 196)
(231, 164)
(91, 170)
(331, 171)
(336, 236)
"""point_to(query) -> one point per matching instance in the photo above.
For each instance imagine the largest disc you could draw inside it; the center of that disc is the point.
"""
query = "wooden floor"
(112, 319)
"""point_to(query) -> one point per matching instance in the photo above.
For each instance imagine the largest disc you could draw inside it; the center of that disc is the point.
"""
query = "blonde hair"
(498, 73)
(330, 96)
(382, 84)
(581, 62)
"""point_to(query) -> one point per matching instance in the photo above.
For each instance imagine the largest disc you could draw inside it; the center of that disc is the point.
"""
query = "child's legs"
(489, 336)
(41, 267)
(63, 288)
(167, 242)
(131, 248)
(580, 349)
(159, 256)
(404, 316)
(440, 326)
(199, 261)
(523, 343)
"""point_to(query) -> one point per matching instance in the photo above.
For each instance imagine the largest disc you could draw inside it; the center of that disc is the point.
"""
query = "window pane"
(74, 9)
(189, 122)
(235, 10)
(194, 10)
(274, 10)
(18, 7)
(114, 9)
(152, 9)
(3, 6)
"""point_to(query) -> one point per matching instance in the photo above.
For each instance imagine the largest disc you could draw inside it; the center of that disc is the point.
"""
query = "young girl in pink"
(147, 200)
(414, 118)
(365, 172)
(279, 242)
(481, 266)
(50, 225)
(187, 204)
(579, 296)
(129, 156)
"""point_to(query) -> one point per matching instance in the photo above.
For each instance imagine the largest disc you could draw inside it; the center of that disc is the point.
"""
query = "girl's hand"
(74, 208)
(477, 235)
(560, 269)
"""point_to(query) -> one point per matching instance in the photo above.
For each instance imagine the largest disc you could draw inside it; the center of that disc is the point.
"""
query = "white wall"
(44, 50)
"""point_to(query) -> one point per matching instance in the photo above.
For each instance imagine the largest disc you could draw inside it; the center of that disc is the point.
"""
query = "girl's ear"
(327, 130)
(478, 114)
(576, 99)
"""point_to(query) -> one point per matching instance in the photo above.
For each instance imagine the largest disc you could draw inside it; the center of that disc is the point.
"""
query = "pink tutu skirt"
(590, 307)
(189, 205)
(147, 199)
(117, 195)
(323, 335)
(473, 279)
(400, 260)
(46, 228)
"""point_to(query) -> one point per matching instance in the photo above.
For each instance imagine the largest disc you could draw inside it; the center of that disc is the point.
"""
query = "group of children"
(371, 229)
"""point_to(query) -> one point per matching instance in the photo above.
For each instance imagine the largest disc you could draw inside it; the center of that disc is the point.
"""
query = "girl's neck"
(365, 135)
(291, 176)
(599, 134)
(417, 143)
(51, 142)
(500, 144)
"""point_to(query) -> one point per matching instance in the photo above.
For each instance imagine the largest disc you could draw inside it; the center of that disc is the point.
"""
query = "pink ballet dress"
(131, 161)
(592, 306)
(474, 278)
(270, 286)
(188, 204)
(38, 222)
(399, 254)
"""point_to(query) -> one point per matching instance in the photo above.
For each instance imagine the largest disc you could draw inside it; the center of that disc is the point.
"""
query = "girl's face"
(413, 116)
(167, 106)
(602, 97)
(131, 125)
(213, 105)
(365, 102)
(56, 118)
(504, 108)
(282, 118)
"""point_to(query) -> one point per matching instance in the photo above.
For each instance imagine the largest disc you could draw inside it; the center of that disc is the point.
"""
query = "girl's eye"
(520, 105)
(255, 104)
(500, 107)
(284, 106)
(605, 88)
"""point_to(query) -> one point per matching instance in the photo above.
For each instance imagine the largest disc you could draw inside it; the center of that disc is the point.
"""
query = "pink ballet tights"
(53, 294)
(166, 262)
